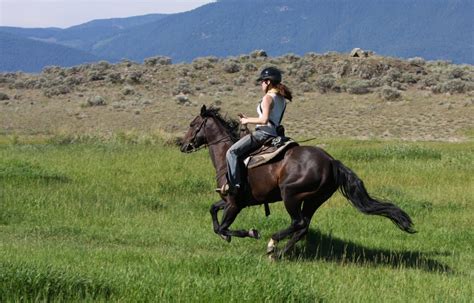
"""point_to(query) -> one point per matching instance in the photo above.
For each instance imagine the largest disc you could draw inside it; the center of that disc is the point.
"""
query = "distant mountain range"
(433, 29)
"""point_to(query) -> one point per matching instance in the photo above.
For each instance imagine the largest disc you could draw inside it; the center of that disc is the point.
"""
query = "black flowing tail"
(354, 190)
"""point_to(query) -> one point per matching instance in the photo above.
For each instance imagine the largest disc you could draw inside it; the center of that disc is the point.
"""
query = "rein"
(195, 149)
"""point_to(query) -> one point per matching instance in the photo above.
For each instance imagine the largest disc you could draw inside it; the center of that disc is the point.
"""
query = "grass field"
(130, 222)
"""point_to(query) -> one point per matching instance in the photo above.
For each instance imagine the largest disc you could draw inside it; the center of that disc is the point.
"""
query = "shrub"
(306, 87)
(390, 94)
(102, 65)
(305, 72)
(408, 78)
(133, 77)
(96, 101)
(72, 80)
(453, 86)
(396, 85)
(4, 96)
(291, 58)
(250, 67)
(231, 67)
(375, 82)
(127, 63)
(95, 75)
(213, 81)
(212, 59)
(128, 90)
(202, 63)
(325, 83)
(367, 69)
(394, 74)
(52, 69)
(342, 68)
(114, 77)
(182, 99)
(226, 88)
(417, 61)
(183, 87)
(183, 72)
(357, 87)
(19, 84)
(430, 80)
(158, 60)
(56, 90)
(456, 73)
(240, 81)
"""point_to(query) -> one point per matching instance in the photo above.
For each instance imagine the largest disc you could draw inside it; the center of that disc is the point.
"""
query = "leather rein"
(192, 141)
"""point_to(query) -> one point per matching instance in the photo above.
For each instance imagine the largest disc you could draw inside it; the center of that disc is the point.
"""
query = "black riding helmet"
(270, 73)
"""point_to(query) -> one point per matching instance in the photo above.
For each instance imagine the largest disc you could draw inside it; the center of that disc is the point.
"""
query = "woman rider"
(270, 113)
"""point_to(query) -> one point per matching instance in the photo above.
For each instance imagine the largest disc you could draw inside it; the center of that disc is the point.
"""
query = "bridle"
(192, 142)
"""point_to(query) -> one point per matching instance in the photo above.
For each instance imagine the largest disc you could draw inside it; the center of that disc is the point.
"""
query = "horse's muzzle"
(187, 148)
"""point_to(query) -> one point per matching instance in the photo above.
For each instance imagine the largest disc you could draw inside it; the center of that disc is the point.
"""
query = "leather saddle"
(269, 150)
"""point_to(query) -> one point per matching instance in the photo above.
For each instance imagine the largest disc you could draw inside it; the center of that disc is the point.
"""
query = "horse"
(304, 177)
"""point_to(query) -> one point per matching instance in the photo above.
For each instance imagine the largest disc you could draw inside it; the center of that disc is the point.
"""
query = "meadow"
(116, 221)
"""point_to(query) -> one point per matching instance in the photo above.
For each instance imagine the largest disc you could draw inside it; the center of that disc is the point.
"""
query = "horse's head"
(196, 135)
(209, 128)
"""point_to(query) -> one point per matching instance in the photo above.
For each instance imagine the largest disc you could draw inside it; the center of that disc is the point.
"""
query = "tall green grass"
(129, 221)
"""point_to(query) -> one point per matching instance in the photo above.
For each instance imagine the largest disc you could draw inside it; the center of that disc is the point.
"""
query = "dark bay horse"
(303, 178)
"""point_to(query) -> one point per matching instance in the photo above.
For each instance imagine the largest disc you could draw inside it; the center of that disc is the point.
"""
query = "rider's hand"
(244, 120)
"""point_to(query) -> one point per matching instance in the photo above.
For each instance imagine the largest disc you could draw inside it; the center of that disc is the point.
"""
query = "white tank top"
(275, 116)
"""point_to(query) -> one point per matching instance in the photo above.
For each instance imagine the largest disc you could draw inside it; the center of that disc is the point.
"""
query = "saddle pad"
(262, 158)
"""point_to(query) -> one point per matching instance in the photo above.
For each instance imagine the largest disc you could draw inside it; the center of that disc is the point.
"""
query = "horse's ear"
(203, 110)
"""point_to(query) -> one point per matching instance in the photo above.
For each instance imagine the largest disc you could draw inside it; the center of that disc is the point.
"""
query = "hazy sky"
(65, 13)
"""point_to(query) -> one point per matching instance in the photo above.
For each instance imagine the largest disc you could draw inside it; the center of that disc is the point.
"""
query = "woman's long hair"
(283, 90)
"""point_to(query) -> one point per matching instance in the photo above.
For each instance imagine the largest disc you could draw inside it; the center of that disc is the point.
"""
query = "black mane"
(231, 125)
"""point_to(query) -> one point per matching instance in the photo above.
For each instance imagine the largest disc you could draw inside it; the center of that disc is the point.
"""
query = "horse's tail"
(354, 190)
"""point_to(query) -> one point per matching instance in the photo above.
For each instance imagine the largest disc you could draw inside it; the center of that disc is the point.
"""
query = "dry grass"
(147, 98)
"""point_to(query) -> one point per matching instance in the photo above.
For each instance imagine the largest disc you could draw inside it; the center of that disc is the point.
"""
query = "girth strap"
(267, 209)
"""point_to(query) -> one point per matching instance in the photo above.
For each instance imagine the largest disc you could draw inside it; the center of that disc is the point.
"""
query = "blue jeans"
(239, 151)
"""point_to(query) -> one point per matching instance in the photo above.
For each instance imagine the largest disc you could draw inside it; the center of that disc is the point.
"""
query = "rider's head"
(269, 78)
(270, 74)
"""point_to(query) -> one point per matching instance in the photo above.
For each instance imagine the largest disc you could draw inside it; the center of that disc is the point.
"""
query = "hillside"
(429, 29)
(31, 55)
(335, 96)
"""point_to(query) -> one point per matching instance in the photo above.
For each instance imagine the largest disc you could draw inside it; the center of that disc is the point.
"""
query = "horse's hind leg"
(297, 223)
(309, 208)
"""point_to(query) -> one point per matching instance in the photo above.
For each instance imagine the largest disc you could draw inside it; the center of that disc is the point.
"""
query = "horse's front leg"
(214, 210)
(230, 213)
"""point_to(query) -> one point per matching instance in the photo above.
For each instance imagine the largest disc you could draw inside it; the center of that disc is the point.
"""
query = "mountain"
(84, 36)
(433, 29)
(23, 54)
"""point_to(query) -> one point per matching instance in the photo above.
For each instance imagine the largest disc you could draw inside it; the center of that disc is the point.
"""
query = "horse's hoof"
(271, 246)
(253, 233)
(225, 237)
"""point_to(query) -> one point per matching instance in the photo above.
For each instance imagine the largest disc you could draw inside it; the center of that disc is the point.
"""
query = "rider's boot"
(228, 189)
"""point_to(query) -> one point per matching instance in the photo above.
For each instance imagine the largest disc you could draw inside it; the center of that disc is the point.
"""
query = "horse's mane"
(231, 125)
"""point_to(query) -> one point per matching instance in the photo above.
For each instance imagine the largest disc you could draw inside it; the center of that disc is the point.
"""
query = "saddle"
(269, 150)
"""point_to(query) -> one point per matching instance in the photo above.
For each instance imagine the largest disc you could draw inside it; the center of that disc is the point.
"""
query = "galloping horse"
(303, 178)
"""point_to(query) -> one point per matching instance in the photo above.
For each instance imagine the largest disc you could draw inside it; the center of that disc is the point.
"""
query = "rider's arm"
(267, 104)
